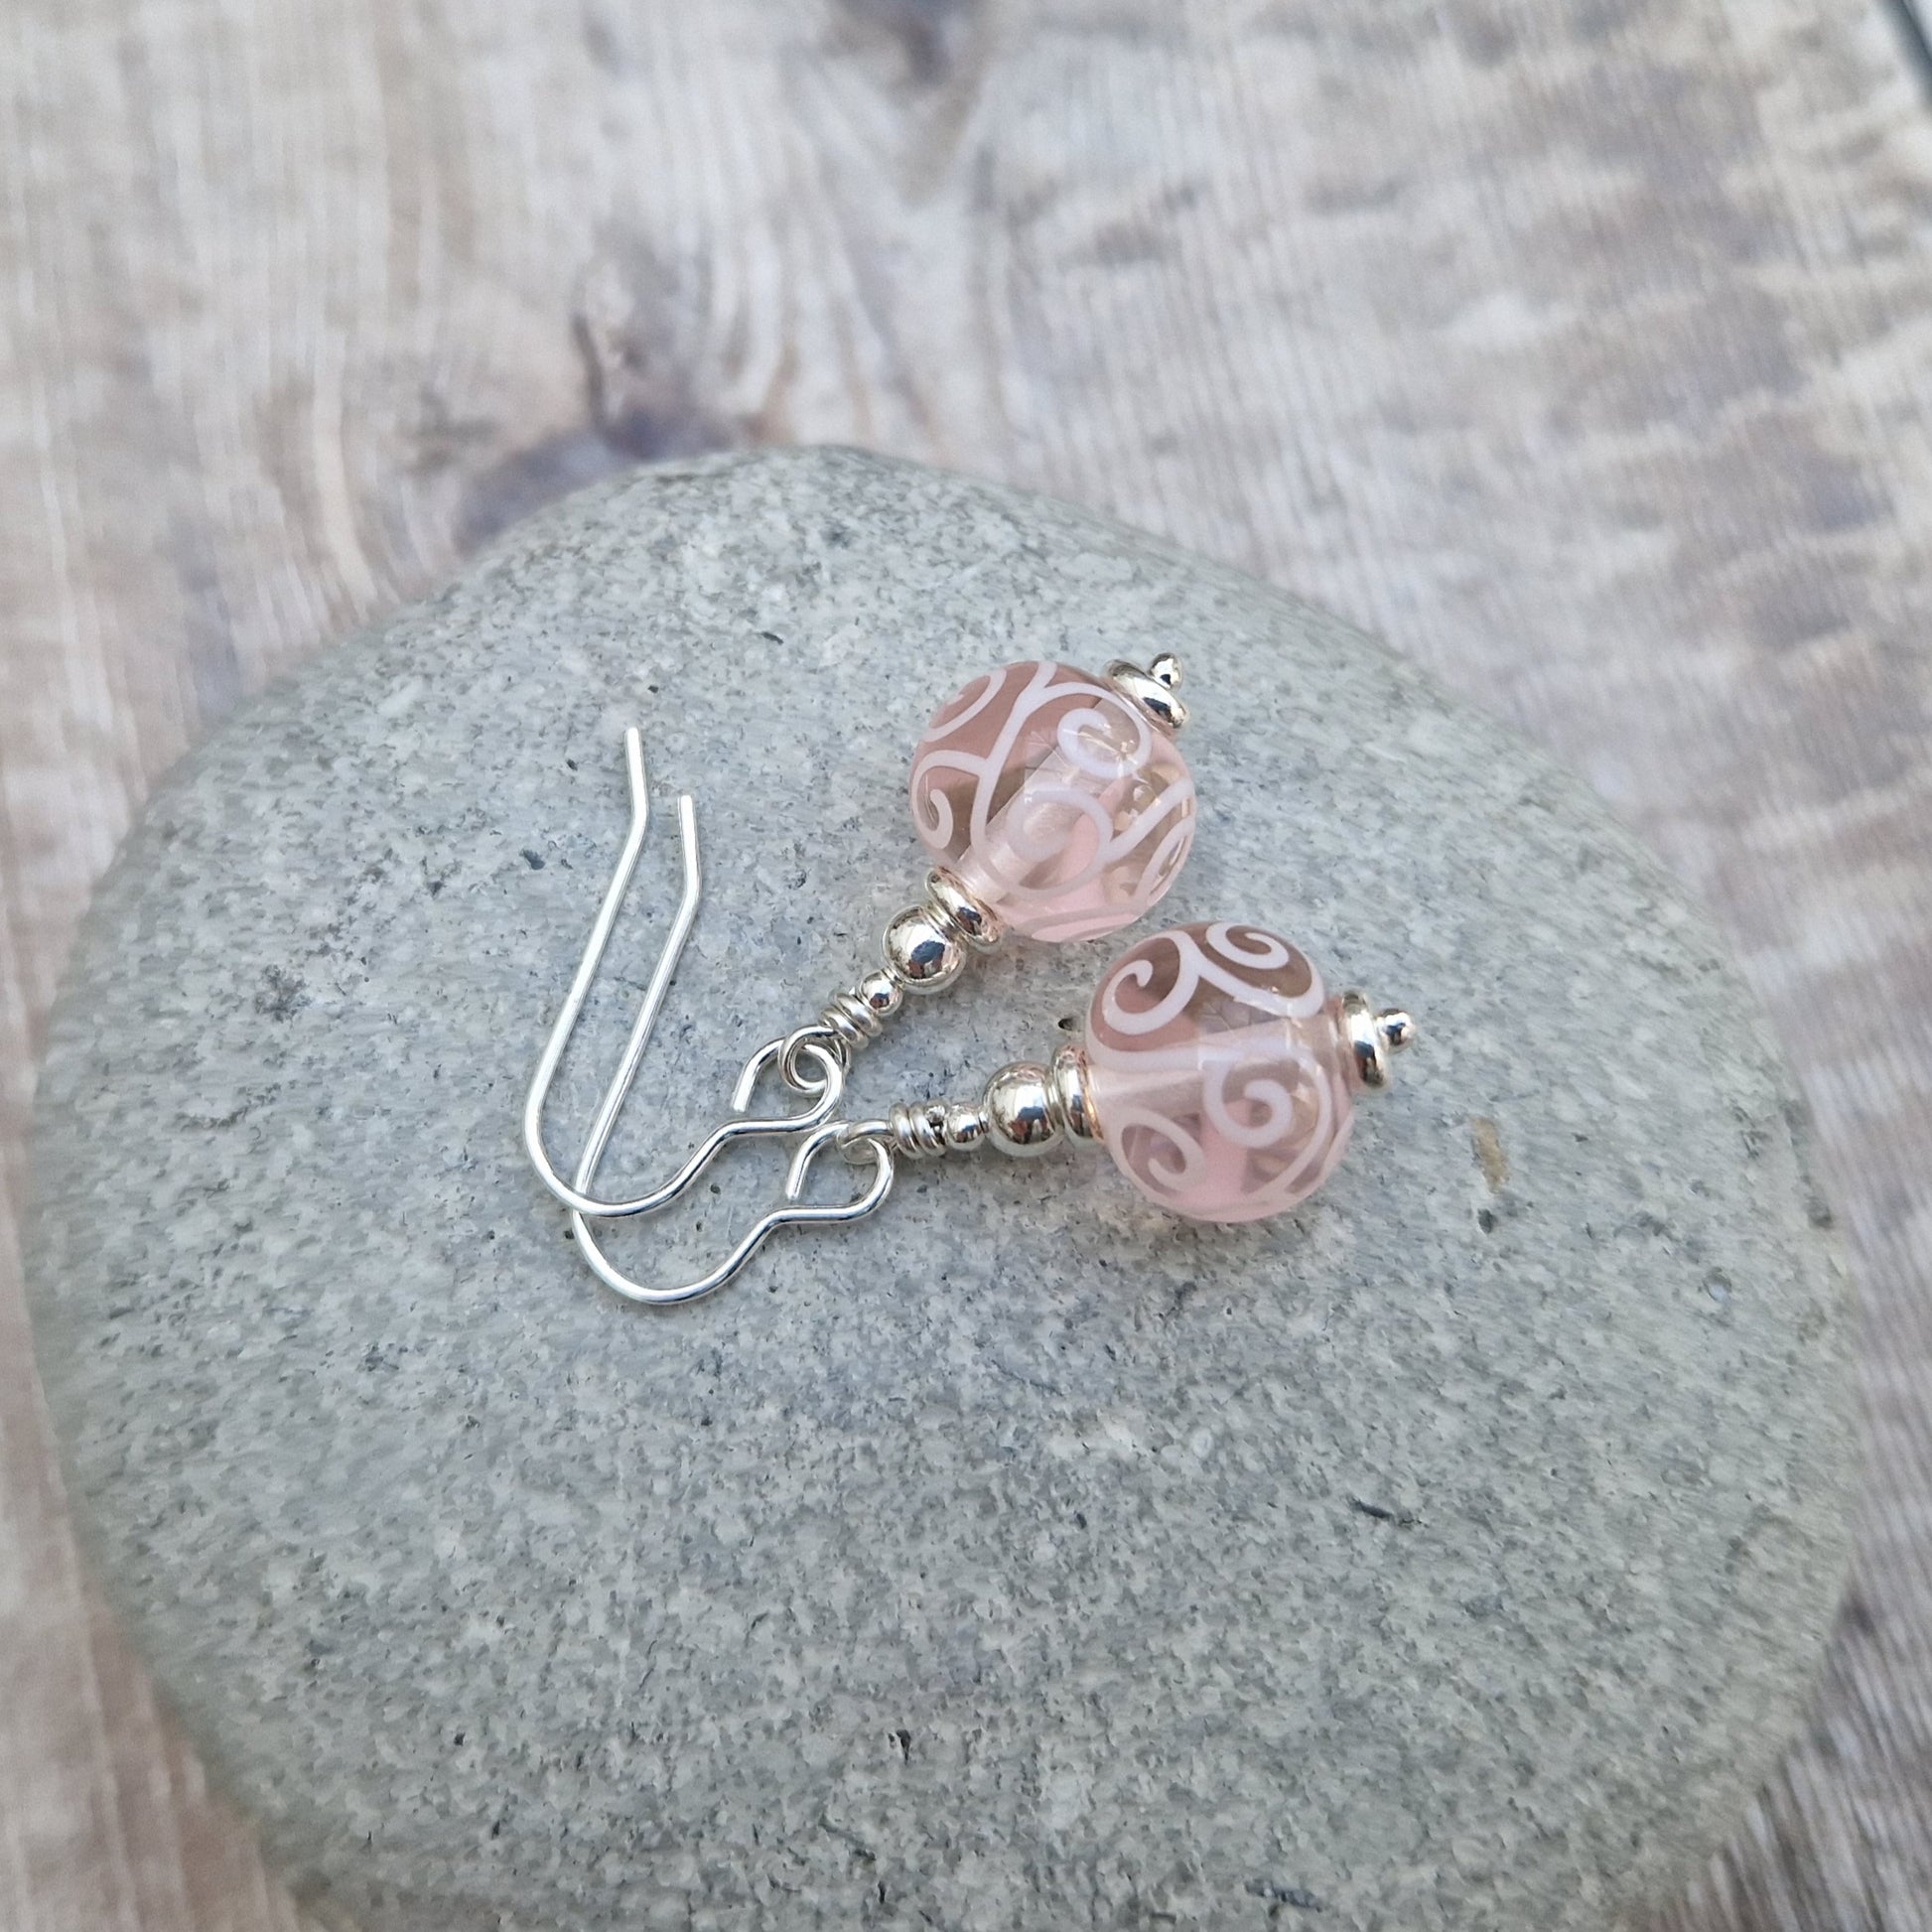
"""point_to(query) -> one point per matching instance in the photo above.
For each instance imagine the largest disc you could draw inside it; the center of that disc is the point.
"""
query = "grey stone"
(1453, 1553)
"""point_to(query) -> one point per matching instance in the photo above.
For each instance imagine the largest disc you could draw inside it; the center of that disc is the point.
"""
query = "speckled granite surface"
(1453, 1553)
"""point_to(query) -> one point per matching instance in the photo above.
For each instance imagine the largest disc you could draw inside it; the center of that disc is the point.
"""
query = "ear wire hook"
(792, 1214)
(829, 1071)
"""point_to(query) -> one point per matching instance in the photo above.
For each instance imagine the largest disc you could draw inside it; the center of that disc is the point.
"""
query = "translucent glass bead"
(1219, 1074)
(1054, 799)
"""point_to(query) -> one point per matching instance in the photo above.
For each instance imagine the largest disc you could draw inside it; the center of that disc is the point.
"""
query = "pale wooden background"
(1582, 346)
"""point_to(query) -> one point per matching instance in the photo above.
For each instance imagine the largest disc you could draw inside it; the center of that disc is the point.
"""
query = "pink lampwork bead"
(1222, 1077)
(1056, 800)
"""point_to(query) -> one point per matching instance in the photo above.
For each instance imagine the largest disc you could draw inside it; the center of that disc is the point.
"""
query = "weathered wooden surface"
(1583, 349)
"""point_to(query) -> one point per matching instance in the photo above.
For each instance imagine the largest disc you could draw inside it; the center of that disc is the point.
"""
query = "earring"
(1056, 804)
(1215, 1069)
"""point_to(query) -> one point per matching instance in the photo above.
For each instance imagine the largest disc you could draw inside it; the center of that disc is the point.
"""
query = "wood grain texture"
(1584, 347)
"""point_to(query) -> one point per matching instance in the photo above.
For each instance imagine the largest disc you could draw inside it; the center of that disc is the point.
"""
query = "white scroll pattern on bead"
(1224, 1093)
(1071, 804)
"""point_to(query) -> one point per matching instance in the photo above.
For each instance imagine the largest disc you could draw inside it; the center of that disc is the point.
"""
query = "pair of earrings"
(1214, 1067)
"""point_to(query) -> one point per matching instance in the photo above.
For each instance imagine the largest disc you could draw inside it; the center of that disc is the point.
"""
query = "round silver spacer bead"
(979, 925)
(922, 954)
(1155, 690)
(966, 1126)
(879, 994)
(1371, 1037)
(1021, 1115)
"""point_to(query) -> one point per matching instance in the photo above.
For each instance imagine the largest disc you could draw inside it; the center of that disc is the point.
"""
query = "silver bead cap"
(1373, 1037)
(976, 922)
(1155, 690)
(1067, 1080)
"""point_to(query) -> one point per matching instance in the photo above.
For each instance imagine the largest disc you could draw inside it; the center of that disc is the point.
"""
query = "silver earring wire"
(574, 1194)
(823, 1075)
(793, 1213)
